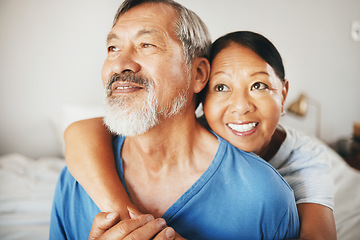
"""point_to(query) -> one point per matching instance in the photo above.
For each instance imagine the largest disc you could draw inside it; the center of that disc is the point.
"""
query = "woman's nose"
(241, 103)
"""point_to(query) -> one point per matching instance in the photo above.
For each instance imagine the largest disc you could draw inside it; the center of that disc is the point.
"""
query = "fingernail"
(150, 218)
(170, 233)
(111, 215)
(162, 222)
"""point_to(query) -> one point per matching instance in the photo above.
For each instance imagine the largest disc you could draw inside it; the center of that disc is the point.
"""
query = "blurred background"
(51, 54)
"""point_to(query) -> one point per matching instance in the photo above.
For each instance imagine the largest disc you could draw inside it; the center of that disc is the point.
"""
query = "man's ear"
(202, 68)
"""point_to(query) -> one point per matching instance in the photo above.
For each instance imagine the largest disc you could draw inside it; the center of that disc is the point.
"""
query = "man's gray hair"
(189, 28)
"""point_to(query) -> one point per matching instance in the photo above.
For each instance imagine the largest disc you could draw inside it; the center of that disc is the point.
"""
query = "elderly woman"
(243, 102)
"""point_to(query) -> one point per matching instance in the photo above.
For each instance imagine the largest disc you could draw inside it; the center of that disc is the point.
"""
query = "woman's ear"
(202, 67)
(285, 90)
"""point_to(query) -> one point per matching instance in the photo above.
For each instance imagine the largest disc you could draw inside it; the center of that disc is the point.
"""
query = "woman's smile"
(243, 129)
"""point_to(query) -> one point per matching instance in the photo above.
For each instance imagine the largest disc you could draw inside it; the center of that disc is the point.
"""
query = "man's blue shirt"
(238, 196)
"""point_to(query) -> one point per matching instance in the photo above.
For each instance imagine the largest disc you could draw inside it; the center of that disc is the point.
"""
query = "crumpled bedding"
(26, 191)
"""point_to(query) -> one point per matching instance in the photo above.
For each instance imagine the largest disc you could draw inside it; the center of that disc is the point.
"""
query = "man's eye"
(112, 49)
(259, 86)
(221, 88)
(147, 45)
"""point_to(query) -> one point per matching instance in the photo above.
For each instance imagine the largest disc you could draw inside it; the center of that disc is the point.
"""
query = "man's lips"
(243, 128)
(125, 87)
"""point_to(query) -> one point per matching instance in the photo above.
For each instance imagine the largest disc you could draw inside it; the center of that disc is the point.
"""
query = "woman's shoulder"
(297, 141)
(300, 150)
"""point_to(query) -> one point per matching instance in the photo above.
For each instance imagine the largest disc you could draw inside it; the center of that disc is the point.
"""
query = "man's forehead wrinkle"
(145, 31)
(141, 32)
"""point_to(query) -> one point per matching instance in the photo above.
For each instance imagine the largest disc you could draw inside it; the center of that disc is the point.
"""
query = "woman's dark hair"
(256, 43)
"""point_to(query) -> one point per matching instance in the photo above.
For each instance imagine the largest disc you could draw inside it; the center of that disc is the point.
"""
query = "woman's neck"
(273, 147)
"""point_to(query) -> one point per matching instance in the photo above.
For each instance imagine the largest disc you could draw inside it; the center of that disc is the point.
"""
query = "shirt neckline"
(189, 193)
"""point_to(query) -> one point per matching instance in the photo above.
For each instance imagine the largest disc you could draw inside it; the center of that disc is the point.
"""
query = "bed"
(26, 190)
(27, 186)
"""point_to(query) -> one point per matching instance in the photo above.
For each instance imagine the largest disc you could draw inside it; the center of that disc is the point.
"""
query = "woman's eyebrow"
(259, 73)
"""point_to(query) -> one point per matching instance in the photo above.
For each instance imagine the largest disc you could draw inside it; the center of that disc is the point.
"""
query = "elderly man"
(172, 167)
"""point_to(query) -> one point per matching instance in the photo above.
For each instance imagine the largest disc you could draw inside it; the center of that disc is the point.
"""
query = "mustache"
(127, 77)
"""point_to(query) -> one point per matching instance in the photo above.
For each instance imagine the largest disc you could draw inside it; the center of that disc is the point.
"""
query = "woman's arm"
(316, 222)
(90, 159)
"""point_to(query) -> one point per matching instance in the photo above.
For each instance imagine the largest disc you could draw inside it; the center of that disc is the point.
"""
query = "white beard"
(122, 119)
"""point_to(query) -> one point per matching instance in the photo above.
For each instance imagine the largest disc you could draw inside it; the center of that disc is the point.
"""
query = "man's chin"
(129, 123)
(125, 127)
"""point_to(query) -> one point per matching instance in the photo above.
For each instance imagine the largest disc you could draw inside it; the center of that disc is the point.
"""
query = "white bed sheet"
(27, 187)
(26, 191)
(346, 198)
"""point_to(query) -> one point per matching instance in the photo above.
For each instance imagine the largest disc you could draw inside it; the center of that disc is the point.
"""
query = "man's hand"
(143, 226)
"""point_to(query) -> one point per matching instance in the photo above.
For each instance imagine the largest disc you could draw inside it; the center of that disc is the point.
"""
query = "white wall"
(51, 53)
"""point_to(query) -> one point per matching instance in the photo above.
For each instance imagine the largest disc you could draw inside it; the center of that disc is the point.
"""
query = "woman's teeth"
(242, 127)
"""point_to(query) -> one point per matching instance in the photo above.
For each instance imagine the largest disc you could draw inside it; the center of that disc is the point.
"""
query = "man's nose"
(125, 61)
(241, 103)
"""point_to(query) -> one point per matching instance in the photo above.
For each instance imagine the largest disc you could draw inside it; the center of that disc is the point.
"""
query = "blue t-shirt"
(238, 196)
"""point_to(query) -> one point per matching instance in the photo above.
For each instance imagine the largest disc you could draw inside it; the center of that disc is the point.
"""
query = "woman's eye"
(259, 86)
(221, 88)
(112, 49)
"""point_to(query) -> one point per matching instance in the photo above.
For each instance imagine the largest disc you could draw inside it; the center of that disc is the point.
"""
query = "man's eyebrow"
(110, 37)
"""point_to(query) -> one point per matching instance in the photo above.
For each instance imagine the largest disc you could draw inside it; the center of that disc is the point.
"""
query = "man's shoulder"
(242, 184)
(252, 166)
(236, 154)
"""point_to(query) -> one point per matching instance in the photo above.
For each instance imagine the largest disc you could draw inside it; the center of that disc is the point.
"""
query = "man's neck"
(178, 138)
(169, 161)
